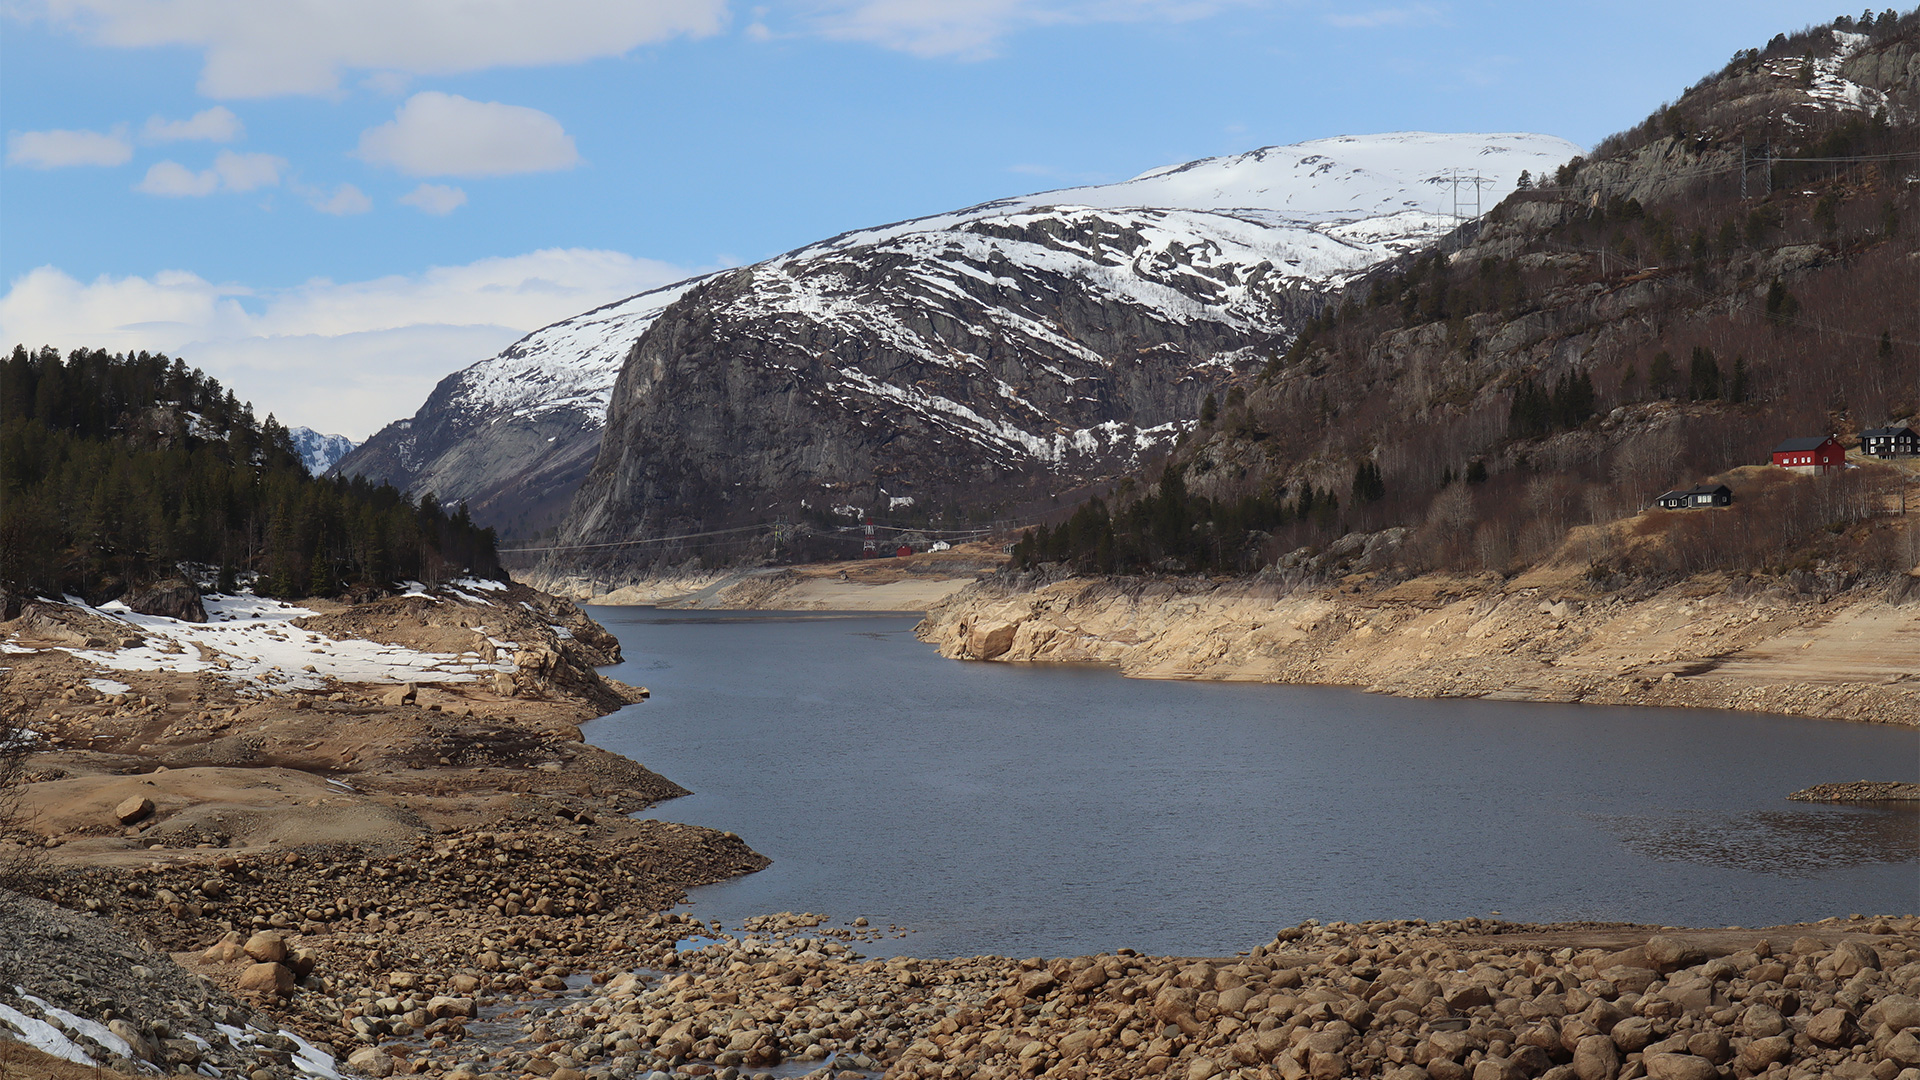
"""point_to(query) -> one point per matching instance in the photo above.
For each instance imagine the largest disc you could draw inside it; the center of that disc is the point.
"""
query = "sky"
(329, 205)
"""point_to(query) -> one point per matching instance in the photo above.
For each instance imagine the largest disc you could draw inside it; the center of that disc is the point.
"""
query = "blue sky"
(330, 204)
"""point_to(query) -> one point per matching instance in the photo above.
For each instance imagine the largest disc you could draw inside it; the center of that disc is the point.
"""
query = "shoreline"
(1715, 641)
(477, 864)
(1702, 643)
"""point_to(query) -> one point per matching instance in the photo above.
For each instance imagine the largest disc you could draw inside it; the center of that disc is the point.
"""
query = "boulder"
(989, 644)
(1761, 1021)
(143, 1047)
(1475, 996)
(401, 695)
(1832, 1027)
(1632, 1034)
(1904, 1048)
(1037, 983)
(1671, 954)
(1760, 1053)
(267, 947)
(1712, 1045)
(227, 949)
(371, 1061)
(302, 960)
(1596, 1058)
(133, 808)
(174, 598)
(1852, 957)
(1679, 1067)
(275, 979)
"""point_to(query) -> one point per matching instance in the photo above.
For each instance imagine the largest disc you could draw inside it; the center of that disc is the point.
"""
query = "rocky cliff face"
(513, 435)
(976, 364)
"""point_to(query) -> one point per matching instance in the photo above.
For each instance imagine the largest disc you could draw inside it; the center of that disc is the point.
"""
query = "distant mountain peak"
(320, 452)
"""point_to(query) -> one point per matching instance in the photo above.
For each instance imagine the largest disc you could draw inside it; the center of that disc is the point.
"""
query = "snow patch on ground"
(44, 1037)
(251, 639)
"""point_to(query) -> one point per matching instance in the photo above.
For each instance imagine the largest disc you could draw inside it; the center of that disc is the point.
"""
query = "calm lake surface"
(1061, 810)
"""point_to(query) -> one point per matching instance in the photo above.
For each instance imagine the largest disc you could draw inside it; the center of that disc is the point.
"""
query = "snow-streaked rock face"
(1059, 335)
(320, 452)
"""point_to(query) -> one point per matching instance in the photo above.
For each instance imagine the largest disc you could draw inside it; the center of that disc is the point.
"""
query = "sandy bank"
(910, 583)
(1710, 643)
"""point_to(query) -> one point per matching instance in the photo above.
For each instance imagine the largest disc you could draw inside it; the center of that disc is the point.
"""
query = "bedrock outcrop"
(1709, 642)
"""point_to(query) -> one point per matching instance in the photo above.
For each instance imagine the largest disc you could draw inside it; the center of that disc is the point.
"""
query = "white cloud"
(244, 172)
(1409, 15)
(436, 134)
(217, 124)
(60, 149)
(255, 49)
(346, 199)
(436, 199)
(972, 29)
(346, 357)
(230, 172)
(175, 180)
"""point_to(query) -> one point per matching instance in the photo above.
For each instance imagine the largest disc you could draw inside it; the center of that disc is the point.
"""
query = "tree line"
(1169, 528)
(115, 470)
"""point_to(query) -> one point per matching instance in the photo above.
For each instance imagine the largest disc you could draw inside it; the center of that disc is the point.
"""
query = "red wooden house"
(1811, 454)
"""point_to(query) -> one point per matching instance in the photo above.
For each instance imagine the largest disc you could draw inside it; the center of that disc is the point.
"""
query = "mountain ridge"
(512, 434)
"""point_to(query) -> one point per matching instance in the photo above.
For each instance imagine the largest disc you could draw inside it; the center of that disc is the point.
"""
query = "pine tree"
(1703, 375)
(1368, 485)
(1660, 374)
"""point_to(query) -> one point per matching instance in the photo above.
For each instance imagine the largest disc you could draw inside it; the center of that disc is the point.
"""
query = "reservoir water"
(1028, 810)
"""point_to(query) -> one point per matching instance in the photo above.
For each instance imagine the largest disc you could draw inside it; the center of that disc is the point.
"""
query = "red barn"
(1810, 454)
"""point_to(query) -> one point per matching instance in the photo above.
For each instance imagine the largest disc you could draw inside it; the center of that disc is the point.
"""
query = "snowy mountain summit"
(320, 452)
(1053, 336)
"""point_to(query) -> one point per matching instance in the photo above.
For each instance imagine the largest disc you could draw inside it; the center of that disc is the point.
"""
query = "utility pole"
(1478, 182)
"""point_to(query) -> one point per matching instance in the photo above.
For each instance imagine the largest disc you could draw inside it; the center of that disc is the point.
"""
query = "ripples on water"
(1053, 810)
(1782, 843)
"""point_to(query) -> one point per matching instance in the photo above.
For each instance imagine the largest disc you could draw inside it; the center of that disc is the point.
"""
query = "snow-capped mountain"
(320, 452)
(1064, 333)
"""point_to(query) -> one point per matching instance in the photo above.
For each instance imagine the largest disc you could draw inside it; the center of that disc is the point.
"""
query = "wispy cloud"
(974, 29)
(64, 149)
(341, 202)
(436, 199)
(255, 49)
(217, 124)
(1407, 15)
(230, 172)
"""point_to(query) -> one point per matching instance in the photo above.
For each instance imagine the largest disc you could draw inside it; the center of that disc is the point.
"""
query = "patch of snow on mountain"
(319, 452)
(1828, 87)
(569, 365)
(1315, 212)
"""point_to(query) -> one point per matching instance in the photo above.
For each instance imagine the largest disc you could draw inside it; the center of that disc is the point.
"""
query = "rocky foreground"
(1835, 649)
(301, 805)
(1400, 1000)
